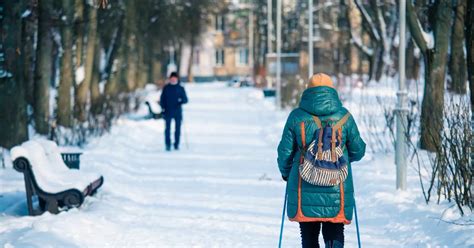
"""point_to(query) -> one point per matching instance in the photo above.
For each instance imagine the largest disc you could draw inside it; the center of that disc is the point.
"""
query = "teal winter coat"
(318, 203)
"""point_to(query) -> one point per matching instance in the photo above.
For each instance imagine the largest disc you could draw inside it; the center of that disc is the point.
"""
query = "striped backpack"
(323, 163)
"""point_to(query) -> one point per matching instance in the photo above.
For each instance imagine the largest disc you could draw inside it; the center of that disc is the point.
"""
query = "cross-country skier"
(172, 97)
(313, 206)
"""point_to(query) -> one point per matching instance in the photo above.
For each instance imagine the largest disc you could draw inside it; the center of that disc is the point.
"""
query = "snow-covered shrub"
(97, 124)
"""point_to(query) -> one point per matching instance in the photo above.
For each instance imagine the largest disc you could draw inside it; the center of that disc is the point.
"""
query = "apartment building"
(224, 51)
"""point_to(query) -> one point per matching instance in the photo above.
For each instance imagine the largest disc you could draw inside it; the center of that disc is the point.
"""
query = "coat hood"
(320, 101)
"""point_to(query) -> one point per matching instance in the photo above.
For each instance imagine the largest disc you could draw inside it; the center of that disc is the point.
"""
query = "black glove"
(284, 178)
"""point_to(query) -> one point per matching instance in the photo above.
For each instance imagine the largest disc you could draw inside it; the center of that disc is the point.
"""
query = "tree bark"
(64, 112)
(29, 25)
(79, 30)
(114, 70)
(44, 62)
(131, 51)
(470, 51)
(82, 92)
(96, 97)
(412, 62)
(158, 62)
(191, 59)
(355, 20)
(142, 72)
(435, 69)
(457, 63)
(470, 72)
(13, 120)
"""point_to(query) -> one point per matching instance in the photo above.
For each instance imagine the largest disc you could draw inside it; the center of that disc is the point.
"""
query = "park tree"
(470, 50)
(83, 90)
(43, 68)
(434, 46)
(13, 117)
(457, 59)
(64, 113)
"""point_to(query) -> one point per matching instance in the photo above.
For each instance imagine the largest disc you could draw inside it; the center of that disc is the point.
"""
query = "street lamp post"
(400, 147)
(278, 63)
(310, 38)
(269, 26)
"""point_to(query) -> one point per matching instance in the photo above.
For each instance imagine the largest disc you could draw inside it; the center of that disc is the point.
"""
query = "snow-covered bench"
(48, 179)
(151, 113)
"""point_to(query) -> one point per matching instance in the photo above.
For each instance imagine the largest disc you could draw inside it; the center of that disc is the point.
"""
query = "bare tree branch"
(415, 28)
(368, 19)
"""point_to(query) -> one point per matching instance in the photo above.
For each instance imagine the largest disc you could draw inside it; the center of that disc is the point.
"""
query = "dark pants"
(177, 133)
(333, 234)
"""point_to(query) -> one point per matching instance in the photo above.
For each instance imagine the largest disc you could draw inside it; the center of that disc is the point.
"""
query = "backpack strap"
(342, 121)
(337, 128)
(319, 155)
(317, 121)
(303, 141)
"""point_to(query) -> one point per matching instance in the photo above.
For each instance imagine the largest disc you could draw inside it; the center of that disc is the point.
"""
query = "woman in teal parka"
(310, 205)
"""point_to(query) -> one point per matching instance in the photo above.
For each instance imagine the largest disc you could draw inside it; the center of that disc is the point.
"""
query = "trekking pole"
(357, 224)
(282, 219)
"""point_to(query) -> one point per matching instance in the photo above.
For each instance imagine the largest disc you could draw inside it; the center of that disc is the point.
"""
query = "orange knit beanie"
(320, 79)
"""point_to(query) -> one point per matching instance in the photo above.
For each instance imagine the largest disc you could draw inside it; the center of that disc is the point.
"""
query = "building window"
(242, 56)
(219, 57)
(219, 23)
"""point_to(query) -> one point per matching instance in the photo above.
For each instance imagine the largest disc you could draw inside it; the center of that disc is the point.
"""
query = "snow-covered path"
(223, 190)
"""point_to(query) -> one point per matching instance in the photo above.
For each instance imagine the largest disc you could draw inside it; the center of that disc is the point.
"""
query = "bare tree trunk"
(435, 69)
(44, 62)
(64, 113)
(457, 63)
(29, 25)
(96, 97)
(191, 59)
(412, 62)
(157, 62)
(149, 59)
(376, 51)
(13, 123)
(355, 20)
(79, 30)
(142, 72)
(82, 92)
(470, 50)
(115, 60)
(470, 73)
(131, 51)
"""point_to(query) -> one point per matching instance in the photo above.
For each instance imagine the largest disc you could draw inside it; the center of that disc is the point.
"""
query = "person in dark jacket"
(318, 207)
(173, 96)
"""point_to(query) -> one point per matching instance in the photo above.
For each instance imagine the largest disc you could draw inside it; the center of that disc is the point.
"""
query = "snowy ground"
(222, 190)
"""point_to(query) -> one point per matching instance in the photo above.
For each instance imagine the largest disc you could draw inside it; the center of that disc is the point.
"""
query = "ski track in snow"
(224, 190)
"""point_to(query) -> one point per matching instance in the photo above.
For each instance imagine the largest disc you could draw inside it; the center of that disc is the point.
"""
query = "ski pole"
(282, 219)
(357, 224)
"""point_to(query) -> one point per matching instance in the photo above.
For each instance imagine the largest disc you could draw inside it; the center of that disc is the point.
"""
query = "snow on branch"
(358, 43)
(424, 40)
(427, 36)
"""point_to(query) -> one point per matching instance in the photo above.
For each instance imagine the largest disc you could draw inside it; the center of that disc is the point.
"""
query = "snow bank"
(51, 174)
